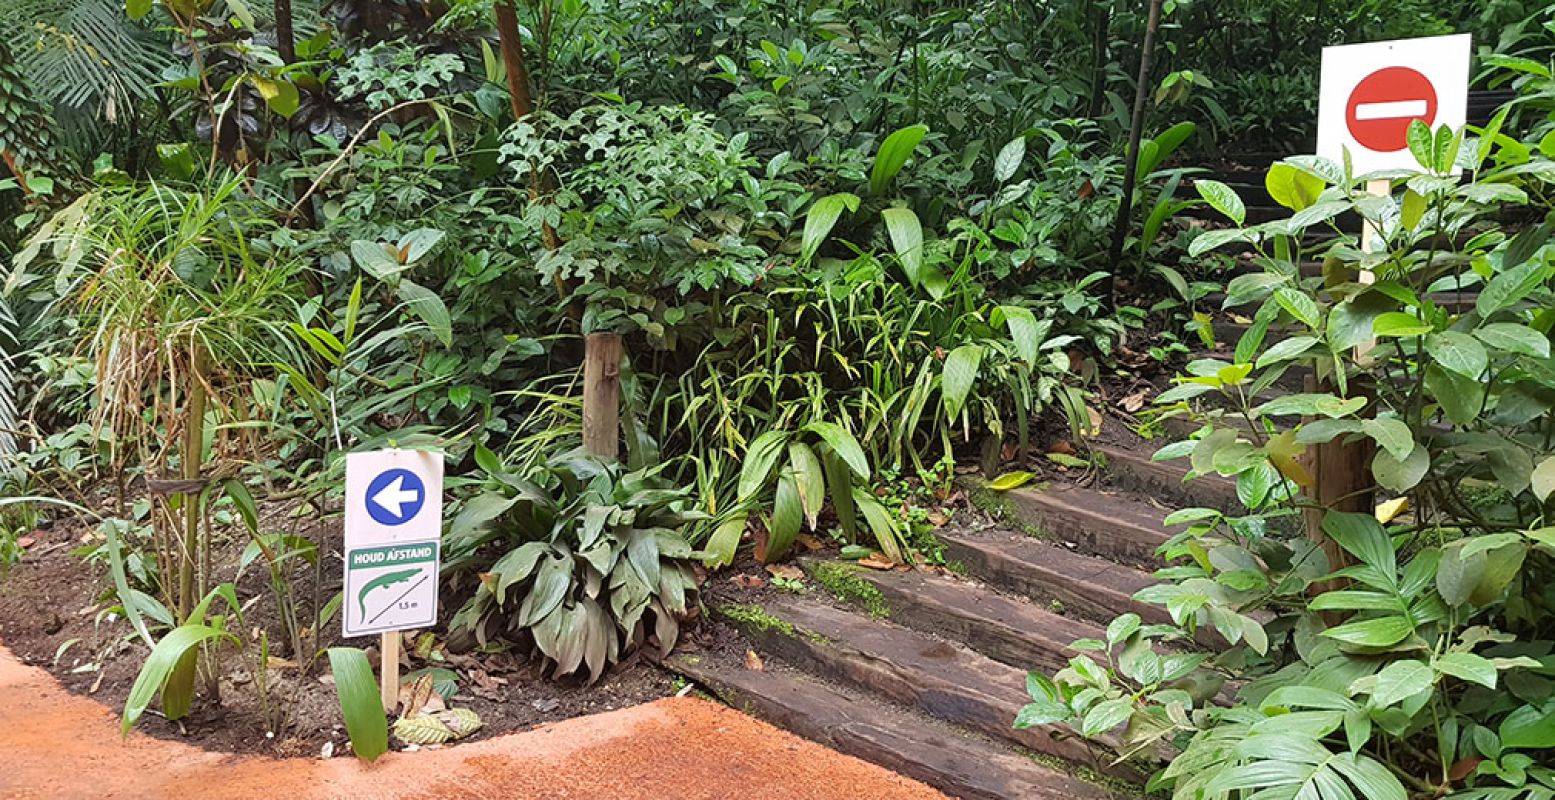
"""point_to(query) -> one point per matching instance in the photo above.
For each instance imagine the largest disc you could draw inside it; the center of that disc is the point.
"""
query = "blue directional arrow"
(395, 497)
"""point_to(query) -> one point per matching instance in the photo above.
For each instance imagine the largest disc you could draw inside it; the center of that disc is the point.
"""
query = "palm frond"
(84, 54)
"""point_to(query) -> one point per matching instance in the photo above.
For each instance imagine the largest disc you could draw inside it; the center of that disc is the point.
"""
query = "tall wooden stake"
(602, 394)
(1341, 471)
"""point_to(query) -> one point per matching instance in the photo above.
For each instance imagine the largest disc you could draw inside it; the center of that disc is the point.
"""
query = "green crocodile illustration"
(386, 579)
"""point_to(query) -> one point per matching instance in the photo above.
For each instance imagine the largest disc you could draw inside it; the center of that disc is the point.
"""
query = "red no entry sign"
(1384, 103)
(1371, 92)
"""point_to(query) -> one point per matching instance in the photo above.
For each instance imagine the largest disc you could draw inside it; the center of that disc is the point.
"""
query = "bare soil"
(55, 614)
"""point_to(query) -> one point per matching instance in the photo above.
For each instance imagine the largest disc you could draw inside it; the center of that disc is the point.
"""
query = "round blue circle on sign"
(395, 497)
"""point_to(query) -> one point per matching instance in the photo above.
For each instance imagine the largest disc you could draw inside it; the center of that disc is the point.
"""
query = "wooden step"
(1012, 630)
(950, 759)
(1091, 588)
(1114, 526)
(1166, 480)
(916, 669)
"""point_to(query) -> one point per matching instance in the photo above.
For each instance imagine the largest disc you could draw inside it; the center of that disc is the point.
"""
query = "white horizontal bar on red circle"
(1391, 109)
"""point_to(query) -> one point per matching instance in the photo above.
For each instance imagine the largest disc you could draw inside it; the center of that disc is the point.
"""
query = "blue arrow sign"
(395, 497)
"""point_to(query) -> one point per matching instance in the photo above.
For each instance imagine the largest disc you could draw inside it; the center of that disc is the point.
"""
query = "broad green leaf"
(1009, 159)
(1421, 144)
(894, 152)
(960, 374)
(1308, 405)
(415, 245)
(819, 222)
(1391, 434)
(1509, 287)
(1105, 716)
(1460, 397)
(1374, 780)
(137, 8)
(1299, 305)
(1401, 474)
(1222, 198)
(839, 480)
(1398, 323)
(1025, 331)
(907, 239)
(724, 541)
(1401, 680)
(1363, 537)
(1542, 480)
(760, 457)
(377, 260)
(1412, 211)
(1458, 352)
(1380, 632)
(1286, 349)
(887, 532)
(1041, 712)
(280, 95)
(1514, 338)
(1122, 627)
(425, 304)
(787, 516)
(1292, 188)
(1529, 727)
(360, 703)
(1468, 667)
(156, 673)
(809, 479)
(843, 444)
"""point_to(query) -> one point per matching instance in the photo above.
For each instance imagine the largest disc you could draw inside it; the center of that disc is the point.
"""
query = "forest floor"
(62, 745)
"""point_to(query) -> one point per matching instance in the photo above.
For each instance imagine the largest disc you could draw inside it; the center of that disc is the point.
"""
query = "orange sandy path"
(57, 745)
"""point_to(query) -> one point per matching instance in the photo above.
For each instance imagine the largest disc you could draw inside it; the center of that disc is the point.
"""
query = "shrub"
(573, 559)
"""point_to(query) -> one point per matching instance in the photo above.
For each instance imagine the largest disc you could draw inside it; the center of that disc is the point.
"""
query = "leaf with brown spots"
(753, 662)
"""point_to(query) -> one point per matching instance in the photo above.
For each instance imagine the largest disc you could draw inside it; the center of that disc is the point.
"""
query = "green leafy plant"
(1395, 660)
(830, 464)
(360, 704)
(576, 558)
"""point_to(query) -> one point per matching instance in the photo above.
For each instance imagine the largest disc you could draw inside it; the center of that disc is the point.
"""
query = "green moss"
(755, 618)
(843, 582)
(1112, 784)
(997, 505)
(958, 567)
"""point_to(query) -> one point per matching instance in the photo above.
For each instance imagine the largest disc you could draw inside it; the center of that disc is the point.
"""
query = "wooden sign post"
(394, 524)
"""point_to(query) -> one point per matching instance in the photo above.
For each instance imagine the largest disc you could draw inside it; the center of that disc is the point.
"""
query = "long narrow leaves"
(360, 703)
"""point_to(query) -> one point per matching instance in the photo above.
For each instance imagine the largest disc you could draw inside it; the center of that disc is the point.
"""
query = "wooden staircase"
(923, 672)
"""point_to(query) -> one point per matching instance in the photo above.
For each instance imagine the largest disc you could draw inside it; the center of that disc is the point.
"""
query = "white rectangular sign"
(1371, 92)
(394, 520)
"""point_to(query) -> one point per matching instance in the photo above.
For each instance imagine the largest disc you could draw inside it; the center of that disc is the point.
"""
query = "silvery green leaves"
(389, 263)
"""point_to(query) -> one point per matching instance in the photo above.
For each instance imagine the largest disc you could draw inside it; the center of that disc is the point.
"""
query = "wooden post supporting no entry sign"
(602, 394)
(1341, 471)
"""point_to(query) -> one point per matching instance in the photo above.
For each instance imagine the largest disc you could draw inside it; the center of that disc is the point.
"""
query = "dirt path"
(59, 745)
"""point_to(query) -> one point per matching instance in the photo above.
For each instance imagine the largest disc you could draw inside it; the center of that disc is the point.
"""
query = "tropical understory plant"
(1414, 655)
(577, 559)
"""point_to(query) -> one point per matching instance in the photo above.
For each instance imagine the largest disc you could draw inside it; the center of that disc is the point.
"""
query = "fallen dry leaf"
(747, 581)
(810, 542)
(753, 662)
(787, 572)
(276, 662)
(938, 518)
(876, 561)
(1095, 421)
(1135, 401)
(1062, 447)
(25, 542)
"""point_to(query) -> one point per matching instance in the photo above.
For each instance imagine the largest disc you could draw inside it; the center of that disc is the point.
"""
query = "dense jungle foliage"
(845, 241)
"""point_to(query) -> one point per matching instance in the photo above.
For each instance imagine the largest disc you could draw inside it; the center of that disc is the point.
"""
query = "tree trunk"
(513, 60)
(1135, 132)
(285, 40)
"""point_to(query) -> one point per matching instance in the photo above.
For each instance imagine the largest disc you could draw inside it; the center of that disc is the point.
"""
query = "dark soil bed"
(54, 614)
